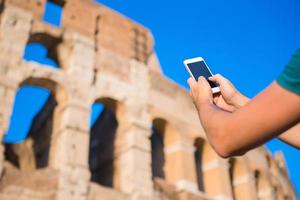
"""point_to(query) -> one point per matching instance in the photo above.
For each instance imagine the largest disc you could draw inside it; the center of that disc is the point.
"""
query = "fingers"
(191, 81)
(192, 84)
(218, 78)
(200, 91)
(205, 90)
(203, 82)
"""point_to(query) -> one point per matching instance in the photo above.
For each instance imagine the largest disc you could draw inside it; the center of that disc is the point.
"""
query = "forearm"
(291, 136)
(215, 122)
(235, 133)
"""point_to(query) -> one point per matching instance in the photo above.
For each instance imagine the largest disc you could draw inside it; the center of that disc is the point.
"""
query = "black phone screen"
(200, 69)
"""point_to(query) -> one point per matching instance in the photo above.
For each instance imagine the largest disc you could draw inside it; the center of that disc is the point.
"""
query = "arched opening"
(233, 174)
(29, 134)
(258, 183)
(157, 148)
(53, 12)
(42, 48)
(199, 143)
(103, 130)
(38, 52)
(261, 185)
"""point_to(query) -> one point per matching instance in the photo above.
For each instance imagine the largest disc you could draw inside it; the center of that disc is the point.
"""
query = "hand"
(229, 98)
(200, 91)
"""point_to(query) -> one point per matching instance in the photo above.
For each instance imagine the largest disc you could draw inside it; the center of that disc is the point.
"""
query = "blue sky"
(249, 42)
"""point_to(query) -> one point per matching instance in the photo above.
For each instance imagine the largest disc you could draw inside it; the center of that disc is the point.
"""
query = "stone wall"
(106, 58)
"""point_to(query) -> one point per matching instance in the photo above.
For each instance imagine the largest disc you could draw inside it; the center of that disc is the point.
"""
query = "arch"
(49, 41)
(60, 92)
(32, 149)
(38, 53)
(160, 124)
(111, 103)
(206, 162)
(262, 185)
(157, 148)
(40, 82)
(199, 144)
(172, 153)
(58, 2)
(102, 142)
(43, 48)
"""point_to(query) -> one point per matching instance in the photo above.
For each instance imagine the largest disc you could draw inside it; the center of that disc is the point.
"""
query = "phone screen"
(200, 69)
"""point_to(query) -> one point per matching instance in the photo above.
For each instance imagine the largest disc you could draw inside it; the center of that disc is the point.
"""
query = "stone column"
(76, 56)
(70, 148)
(133, 158)
(180, 165)
(214, 168)
(15, 24)
(265, 190)
(70, 141)
(242, 185)
(133, 146)
(266, 194)
(6, 108)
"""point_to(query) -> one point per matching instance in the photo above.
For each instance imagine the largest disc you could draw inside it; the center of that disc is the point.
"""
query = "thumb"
(219, 79)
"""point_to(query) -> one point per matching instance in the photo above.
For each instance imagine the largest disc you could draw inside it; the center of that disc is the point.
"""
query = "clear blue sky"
(249, 42)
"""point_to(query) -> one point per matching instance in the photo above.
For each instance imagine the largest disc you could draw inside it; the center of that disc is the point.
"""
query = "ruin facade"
(141, 147)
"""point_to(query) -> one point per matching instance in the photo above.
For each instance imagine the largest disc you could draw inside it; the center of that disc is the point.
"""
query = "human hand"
(200, 91)
(229, 98)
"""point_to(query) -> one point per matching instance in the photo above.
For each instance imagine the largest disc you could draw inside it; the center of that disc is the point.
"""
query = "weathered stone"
(106, 58)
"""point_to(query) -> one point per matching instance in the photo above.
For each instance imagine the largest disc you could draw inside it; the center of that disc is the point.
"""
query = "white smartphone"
(197, 67)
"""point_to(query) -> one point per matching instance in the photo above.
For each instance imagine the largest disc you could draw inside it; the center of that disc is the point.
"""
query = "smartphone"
(197, 67)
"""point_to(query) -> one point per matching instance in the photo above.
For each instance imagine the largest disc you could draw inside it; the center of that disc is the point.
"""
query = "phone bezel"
(199, 59)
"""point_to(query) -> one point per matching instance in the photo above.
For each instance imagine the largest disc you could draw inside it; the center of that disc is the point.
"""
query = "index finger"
(218, 78)
(191, 81)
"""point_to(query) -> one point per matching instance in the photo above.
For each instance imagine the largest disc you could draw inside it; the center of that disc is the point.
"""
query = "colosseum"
(141, 147)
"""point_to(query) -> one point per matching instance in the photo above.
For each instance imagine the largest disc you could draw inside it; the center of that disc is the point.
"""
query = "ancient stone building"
(141, 147)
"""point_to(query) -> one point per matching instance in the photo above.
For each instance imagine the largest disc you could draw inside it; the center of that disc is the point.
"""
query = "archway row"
(169, 151)
(37, 105)
(103, 130)
(246, 180)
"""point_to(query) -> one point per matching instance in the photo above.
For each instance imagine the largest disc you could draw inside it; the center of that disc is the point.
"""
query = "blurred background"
(249, 42)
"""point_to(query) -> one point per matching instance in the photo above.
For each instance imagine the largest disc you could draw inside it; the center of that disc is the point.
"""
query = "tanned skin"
(235, 124)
